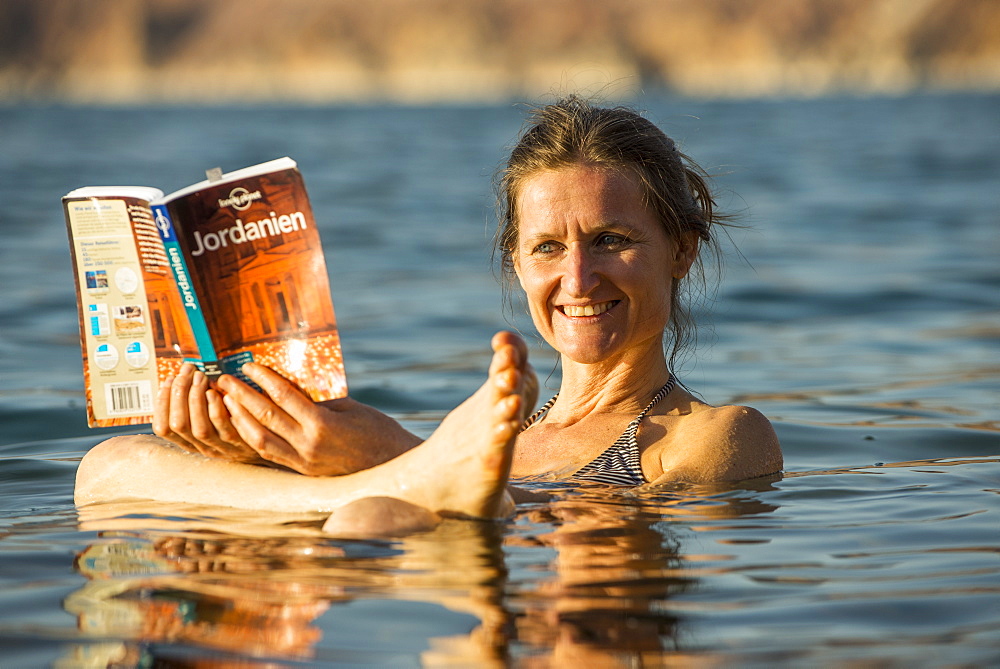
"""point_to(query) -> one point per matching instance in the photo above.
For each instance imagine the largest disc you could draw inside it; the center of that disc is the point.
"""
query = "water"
(863, 317)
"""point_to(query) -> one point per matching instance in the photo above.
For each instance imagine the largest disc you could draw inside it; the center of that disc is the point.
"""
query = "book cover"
(227, 271)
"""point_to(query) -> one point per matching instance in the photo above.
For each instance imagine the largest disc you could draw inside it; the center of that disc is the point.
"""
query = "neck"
(625, 385)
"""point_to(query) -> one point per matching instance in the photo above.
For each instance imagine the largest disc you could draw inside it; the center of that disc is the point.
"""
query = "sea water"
(859, 309)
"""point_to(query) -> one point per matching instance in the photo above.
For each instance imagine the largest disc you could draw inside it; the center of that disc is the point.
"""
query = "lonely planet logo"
(163, 223)
(240, 199)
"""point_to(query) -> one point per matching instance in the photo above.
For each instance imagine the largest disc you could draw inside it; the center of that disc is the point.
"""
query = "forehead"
(588, 195)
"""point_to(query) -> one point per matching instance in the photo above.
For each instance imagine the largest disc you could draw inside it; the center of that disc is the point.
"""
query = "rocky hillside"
(426, 50)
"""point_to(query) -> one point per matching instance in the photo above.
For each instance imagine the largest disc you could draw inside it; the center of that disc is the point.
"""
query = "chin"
(586, 355)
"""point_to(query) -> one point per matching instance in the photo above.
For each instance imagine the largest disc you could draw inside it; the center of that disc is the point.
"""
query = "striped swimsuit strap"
(620, 464)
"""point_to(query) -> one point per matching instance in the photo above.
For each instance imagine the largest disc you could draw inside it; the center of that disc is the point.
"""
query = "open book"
(226, 271)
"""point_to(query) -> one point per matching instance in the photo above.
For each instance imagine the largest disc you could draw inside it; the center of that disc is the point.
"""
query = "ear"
(685, 253)
(515, 262)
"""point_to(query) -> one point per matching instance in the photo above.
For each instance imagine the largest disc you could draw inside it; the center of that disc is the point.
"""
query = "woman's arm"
(331, 438)
(282, 427)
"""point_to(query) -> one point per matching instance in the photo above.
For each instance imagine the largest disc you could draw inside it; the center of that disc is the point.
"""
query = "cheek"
(536, 295)
(531, 277)
(537, 286)
(654, 287)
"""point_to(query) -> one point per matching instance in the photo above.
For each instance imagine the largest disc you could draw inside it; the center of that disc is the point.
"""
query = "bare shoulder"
(727, 443)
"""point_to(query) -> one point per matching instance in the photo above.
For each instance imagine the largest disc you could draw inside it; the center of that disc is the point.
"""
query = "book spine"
(208, 363)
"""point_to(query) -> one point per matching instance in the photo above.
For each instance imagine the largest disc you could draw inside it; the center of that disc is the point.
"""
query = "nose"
(580, 275)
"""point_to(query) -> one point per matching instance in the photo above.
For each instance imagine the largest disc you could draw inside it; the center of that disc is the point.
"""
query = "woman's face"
(596, 264)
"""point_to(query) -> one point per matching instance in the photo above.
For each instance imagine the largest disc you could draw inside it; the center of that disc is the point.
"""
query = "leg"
(461, 469)
(379, 517)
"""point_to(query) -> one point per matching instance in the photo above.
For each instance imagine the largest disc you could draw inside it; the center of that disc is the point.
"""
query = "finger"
(290, 406)
(277, 387)
(220, 418)
(161, 409)
(265, 411)
(183, 443)
(229, 440)
(161, 417)
(202, 428)
(179, 389)
(189, 421)
(264, 442)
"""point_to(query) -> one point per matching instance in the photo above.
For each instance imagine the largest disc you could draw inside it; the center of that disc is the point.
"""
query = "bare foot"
(462, 469)
(480, 491)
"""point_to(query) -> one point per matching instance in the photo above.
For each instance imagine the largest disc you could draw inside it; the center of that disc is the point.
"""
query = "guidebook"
(224, 272)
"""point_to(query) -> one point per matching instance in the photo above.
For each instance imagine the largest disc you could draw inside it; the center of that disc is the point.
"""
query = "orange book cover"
(239, 276)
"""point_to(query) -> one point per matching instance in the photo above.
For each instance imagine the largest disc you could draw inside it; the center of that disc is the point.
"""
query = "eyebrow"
(605, 226)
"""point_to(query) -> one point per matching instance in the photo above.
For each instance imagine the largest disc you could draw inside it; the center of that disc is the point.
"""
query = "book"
(223, 272)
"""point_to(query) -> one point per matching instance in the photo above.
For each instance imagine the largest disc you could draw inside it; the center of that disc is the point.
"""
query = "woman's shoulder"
(733, 418)
(724, 443)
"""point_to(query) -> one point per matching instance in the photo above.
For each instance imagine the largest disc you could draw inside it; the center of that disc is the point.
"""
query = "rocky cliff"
(432, 50)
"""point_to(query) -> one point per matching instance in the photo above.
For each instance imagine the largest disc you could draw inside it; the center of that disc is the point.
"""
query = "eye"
(611, 241)
(544, 248)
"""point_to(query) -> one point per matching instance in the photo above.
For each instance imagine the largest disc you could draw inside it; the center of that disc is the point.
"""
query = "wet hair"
(574, 132)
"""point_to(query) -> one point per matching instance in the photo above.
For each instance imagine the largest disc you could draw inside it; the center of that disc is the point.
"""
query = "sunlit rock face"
(127, 51)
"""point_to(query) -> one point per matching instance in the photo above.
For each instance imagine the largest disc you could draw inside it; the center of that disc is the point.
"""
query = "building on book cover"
(253, 254)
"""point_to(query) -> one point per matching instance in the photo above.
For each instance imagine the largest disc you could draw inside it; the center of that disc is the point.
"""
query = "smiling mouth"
(588, 310)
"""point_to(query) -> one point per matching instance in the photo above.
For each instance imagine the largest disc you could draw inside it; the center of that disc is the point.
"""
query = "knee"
(380, 517)
(103, 463)
(120, 448)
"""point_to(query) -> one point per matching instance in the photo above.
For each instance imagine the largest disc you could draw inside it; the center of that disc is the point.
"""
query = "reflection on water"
(584, 580)
(597, 605)
(213, 594)
(889, 563)
(892, 563)
(202, 597)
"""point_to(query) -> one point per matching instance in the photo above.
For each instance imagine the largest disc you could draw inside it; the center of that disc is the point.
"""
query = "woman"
(602, 219)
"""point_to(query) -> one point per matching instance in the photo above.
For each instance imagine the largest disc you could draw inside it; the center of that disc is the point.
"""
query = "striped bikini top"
(620, 463)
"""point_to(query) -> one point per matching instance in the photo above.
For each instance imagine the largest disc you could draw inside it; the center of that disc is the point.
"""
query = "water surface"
(861, 314)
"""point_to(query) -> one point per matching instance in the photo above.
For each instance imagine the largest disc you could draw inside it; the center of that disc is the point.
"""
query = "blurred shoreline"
(423, 51)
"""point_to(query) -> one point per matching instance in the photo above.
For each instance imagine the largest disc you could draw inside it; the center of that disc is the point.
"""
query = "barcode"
(128, 398)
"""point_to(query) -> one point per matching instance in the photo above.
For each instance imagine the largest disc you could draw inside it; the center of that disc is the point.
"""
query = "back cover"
(133, 329)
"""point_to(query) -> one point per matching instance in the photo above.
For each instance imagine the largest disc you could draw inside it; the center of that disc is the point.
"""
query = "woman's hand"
(192, 415)
(285, 427)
